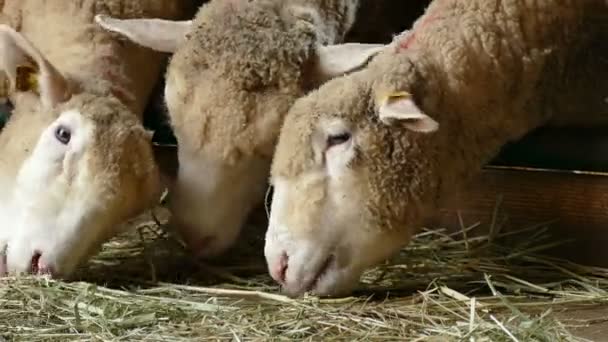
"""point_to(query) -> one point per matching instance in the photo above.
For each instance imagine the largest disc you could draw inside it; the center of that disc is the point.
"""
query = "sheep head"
(73, 166)
(346, 180)
(230, 82)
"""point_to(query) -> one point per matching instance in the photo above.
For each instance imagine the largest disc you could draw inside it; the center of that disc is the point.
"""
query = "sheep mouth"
(323, 270)
(39, 267)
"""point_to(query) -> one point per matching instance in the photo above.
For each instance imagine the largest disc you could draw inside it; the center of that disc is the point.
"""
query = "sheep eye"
(63, 134)
(337, 139)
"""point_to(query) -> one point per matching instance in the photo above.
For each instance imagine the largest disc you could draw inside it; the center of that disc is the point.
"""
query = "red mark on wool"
(410, 38)
(404, 44)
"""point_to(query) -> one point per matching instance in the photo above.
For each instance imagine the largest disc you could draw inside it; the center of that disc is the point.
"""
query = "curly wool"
(242, 67)
(445, 62)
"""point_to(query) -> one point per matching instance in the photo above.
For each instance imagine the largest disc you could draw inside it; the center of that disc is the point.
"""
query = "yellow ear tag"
(394, 96)
(27, 78)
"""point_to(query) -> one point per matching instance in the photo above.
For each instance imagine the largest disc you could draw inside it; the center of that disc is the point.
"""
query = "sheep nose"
(38, 266)
(46, 269)
(34, 262)
(279, 269)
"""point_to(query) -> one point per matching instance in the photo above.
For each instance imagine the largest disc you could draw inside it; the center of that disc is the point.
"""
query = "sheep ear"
(337, 60)
(156, 34)
(401, 107)
(28, 70)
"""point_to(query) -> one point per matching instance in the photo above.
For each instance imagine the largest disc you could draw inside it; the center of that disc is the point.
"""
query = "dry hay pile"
(143, 287)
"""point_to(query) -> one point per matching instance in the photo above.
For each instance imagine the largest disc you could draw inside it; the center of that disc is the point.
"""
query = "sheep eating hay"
(362, 160)
(75, 160)
(237, 68)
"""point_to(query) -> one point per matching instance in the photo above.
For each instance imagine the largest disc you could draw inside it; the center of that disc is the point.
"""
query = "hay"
(142, 286)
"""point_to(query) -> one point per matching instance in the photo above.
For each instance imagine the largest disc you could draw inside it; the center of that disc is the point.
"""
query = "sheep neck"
(108, 68)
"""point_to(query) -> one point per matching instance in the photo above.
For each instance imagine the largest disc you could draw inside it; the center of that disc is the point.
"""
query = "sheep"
(364, 159)
(237, 67)
(75, 159)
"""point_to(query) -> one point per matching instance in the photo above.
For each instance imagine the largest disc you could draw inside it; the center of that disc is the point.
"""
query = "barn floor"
(142, 286)
(595, 327)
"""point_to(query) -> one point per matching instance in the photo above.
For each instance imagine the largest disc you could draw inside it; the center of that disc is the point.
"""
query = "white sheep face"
(71, 192)
(73, 166)
(49, 205)
(328, 222)
(316, 240)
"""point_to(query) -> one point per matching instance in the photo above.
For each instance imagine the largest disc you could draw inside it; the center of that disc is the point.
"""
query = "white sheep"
(75, 160)
(364, 159)
(236, 70)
